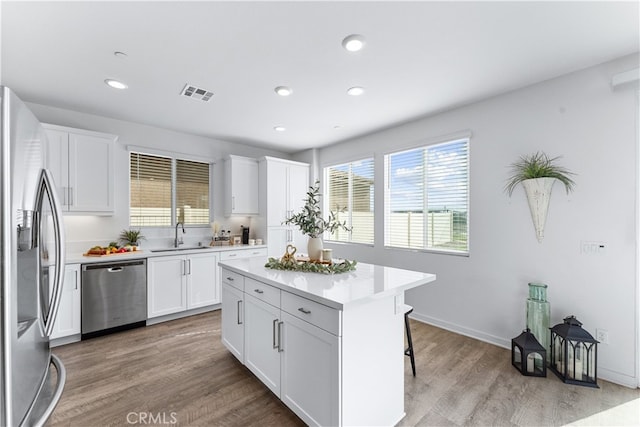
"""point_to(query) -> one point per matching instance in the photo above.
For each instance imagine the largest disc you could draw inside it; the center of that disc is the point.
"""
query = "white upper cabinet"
(82, 165)
(241, 186)
(283, 187)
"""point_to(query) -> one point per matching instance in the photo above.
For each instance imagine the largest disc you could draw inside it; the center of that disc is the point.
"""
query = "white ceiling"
(420, 58)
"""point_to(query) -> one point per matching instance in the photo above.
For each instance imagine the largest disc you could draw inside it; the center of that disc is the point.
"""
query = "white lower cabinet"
(181, 282)
(291, 344)
(233, 320)
(68, 320)
(261, 350)
(310, 367)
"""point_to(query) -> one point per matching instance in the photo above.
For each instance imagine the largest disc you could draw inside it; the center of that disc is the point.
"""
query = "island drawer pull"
(304, 310)
(258, 291)
(280, 346)
(275, 326)
(230, 279)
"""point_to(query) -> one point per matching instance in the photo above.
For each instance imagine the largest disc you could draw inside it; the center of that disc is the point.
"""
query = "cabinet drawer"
(262, 291)
(234, 279)
(315, 313)
(256, 252)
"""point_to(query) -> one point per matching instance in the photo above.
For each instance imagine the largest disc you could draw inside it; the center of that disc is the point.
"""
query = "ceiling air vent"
(193, 92)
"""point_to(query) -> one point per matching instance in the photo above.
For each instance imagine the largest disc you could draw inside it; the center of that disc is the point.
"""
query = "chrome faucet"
(177, 242)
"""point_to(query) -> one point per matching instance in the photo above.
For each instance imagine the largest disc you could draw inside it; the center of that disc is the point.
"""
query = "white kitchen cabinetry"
(181, 282)
(233, 317)
(283, 186)
(291, 344)
(166, 287)
(68, 319)
(261, 352)
(310, 371)
(241, 186)
(82, 164)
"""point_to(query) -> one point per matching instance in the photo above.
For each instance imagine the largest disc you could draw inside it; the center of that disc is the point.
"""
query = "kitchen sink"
(185, 248)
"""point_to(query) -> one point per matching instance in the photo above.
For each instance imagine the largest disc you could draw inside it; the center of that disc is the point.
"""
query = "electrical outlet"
(602, 335)
(592, 248)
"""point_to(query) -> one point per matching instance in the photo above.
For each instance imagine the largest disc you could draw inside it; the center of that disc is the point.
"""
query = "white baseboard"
(472, 333)
(174, 316)
(603, 373)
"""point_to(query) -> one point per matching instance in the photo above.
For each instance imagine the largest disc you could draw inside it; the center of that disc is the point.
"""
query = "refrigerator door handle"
(62, 379)
(47, 189)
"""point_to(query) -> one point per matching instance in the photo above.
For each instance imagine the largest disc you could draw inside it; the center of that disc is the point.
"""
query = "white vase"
(314, 248)
(538, 191)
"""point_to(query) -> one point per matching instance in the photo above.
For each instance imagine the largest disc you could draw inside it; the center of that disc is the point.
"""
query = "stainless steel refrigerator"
(32, 268)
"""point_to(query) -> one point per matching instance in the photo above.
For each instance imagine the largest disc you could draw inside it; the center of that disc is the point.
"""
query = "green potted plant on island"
(311, 222)
(131, 237)
(537, 174)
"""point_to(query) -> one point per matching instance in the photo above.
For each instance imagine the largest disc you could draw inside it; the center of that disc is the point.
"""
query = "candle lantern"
(528, 356)
(574, 353)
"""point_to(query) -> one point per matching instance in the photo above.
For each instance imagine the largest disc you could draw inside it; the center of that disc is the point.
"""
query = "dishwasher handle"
(113, 267)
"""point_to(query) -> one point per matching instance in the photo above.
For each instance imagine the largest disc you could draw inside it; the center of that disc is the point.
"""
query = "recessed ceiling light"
(279, 128)
(355, 91)
(353, 43)
(283, 91)
(115, 84)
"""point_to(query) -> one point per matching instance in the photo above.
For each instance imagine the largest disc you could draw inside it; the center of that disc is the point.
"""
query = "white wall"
(579, 117)
(83, 232)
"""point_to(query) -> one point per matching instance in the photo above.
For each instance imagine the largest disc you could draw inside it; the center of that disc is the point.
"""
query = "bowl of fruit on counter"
(111, 249)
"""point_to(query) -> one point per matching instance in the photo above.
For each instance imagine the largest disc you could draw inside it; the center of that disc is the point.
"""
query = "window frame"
(326, 208)
(426, 144)
(174, 157)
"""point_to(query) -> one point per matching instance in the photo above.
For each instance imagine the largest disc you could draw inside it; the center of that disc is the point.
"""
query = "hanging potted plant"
(131, 237)
(311, 223)
(537, 173)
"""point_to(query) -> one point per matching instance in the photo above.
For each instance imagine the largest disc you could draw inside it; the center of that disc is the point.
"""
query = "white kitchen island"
(331, 347)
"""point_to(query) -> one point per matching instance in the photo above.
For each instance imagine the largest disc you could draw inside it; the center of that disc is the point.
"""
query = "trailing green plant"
(538, 165)
(311, 267)
(130, 236)
(310, 220)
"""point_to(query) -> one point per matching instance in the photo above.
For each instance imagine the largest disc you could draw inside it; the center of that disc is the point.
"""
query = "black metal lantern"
(574, 353)
(528, 356)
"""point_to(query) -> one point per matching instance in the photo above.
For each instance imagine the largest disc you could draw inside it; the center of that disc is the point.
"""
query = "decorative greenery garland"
(311, 267)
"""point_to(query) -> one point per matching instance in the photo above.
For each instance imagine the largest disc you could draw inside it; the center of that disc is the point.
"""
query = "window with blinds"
(192, 192)
(349, 193)
(427, 197)
(152, 189)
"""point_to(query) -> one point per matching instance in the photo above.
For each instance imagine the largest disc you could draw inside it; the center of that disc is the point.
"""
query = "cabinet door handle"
(280, 346)
(189, 264)
(275, 326)
(70, 196)
(239, 308)
(258, 291)
(304, 310)
(233, 203)
(75, 273)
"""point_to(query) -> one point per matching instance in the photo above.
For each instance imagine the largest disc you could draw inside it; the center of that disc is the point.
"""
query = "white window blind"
(349, 187)
(150, 182)
(152, 189)
(192, 192)
(427, 197)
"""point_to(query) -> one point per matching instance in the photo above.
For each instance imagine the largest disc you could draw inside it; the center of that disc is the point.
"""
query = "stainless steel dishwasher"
(114, 297)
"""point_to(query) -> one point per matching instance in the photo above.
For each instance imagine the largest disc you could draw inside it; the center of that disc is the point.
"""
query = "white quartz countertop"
(367, 282)
(78, 258)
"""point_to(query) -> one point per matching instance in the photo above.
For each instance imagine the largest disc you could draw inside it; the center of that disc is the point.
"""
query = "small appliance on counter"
(245, 235)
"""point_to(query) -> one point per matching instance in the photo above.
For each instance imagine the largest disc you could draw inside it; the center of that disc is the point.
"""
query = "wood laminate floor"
(179, 373)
